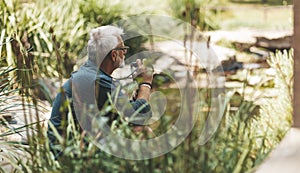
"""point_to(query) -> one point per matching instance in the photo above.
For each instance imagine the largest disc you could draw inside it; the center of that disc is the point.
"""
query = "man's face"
(121, 51)
(121, 62)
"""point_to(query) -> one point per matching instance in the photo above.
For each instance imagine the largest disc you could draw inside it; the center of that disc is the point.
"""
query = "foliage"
(98, 13)
(243, 140)
(40, 27)
(38, 36)
(199, 13)
(20, 155)
(32, 25)
(283, 63)
(102, 12)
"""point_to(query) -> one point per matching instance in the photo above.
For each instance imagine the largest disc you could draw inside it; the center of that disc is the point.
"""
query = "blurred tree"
(296, 45)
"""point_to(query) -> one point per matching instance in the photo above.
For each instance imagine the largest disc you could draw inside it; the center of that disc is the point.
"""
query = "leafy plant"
(196, 12)
(46, 38)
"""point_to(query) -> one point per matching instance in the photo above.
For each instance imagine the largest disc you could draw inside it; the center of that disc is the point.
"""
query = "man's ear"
(113, 56)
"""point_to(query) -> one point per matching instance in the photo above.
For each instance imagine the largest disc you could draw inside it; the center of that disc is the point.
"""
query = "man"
(92, 83)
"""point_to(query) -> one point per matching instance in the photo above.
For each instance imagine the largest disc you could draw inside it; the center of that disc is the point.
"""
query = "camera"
(133, 65)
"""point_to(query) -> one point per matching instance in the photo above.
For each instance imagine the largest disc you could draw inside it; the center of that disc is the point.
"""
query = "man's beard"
(122, 63)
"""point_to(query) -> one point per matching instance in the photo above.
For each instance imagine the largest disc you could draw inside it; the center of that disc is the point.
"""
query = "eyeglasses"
(124, 48)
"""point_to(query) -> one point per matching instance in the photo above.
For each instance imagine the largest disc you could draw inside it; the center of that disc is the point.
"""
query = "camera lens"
(133, 64)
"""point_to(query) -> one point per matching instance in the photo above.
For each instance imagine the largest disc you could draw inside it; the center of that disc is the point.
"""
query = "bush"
(50, 29)
(242, 141)
(199, 13)
(36, 35)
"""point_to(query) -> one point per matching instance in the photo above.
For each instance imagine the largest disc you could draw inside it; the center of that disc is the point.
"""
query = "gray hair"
(102, 40)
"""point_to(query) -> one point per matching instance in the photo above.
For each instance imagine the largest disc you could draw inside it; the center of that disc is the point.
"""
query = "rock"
(274, 44)
(17, 112)
(229, 65)
(6, 118)
(201, 54)
(243, 47)
(262, 53)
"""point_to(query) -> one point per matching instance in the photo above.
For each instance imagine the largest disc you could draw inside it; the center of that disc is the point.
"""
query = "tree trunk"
(296, 46)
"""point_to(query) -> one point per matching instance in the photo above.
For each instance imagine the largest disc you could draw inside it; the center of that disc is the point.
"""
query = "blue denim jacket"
(105, 85)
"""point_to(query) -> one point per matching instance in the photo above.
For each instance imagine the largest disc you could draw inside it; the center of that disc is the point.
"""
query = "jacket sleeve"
(136, 112)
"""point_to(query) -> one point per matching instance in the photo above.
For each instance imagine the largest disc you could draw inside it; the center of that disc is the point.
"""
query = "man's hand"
(144, 73)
